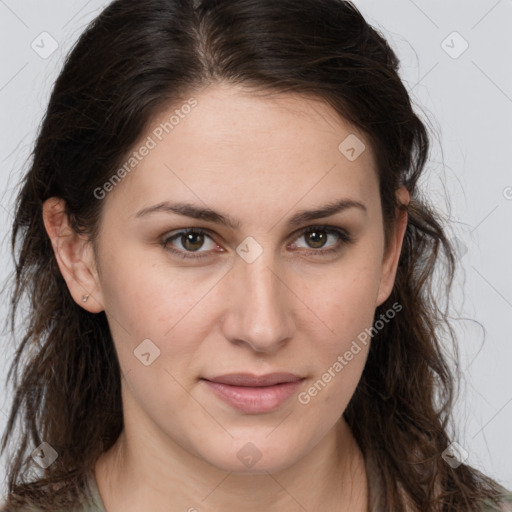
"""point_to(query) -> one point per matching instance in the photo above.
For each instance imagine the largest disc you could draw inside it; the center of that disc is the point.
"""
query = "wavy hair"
(133, 60)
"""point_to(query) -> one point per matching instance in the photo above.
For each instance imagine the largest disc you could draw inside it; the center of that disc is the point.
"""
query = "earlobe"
(74, 255)
(394, 249)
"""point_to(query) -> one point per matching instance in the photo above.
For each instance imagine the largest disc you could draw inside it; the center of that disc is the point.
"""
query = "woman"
(230, 273)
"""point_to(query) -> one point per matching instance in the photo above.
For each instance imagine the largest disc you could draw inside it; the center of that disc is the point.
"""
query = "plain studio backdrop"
(455, 61)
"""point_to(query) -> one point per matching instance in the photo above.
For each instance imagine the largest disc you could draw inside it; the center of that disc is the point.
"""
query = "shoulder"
(88, 507)
(90, 501)
(505, 504)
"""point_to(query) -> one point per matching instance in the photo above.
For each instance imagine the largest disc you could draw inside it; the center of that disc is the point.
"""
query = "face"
(274, 291)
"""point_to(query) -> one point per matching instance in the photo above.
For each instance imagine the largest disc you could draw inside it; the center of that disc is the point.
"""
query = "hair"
(136, 58)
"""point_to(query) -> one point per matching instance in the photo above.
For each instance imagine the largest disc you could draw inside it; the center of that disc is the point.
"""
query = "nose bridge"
(261, 313)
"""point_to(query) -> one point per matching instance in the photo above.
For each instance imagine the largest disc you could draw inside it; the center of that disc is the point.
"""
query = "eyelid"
(175, 234)
(343, 233)
(344, 236)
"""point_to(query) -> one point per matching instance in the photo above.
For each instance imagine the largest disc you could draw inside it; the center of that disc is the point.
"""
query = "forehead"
(228, 145)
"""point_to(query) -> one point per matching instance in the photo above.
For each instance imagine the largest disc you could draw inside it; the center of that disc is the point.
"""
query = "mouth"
(254, 394)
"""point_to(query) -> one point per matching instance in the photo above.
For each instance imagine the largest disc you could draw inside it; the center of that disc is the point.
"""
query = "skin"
(259, 160)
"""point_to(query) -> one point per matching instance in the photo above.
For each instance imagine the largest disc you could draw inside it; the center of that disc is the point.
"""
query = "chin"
(253, 457)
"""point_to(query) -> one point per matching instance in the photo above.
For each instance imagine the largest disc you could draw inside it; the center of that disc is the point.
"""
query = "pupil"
(317, 239)
(320, 238)
(189, 237)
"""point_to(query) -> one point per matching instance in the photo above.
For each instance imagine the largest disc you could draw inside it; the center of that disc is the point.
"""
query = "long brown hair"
(137, 57)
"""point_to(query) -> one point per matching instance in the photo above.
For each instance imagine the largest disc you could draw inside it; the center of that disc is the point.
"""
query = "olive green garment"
(505, 506)
(94, 502)
(96, 505)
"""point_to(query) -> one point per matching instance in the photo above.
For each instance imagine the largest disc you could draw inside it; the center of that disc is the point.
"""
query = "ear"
(392, 252)
(74, 255)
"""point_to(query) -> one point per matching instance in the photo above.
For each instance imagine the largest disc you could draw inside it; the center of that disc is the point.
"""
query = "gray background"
(464, 96)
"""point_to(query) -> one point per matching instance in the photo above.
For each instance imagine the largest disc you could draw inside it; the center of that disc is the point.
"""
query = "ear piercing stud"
(84, 298)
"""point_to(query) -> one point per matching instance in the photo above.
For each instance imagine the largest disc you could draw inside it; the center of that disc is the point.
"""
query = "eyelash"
(343, 235)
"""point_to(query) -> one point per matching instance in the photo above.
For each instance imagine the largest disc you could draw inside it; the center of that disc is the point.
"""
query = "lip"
(251, 380)
(252, 393)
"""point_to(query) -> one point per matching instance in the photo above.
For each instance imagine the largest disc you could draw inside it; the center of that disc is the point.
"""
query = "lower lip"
(254, 399)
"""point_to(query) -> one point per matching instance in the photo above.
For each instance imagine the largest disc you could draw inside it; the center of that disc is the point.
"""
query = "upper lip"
(251, 380)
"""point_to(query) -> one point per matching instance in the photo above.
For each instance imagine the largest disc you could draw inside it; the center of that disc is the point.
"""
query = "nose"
(259, 306)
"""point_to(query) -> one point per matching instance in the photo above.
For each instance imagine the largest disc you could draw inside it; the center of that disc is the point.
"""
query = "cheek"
(345, 297)
(146, 296)
(163, 304)
(345, 301)
(340, 355)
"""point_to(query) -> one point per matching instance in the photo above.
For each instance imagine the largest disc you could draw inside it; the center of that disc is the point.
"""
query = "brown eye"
(316, 238)
(192, 241)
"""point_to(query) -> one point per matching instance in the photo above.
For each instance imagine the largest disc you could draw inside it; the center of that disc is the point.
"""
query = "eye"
(193, 239)
(317, 236)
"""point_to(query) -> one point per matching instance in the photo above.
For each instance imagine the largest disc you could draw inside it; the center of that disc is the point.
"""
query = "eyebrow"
(209, 215)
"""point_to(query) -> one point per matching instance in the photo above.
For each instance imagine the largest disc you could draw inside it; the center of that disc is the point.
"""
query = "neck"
(161, 476)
